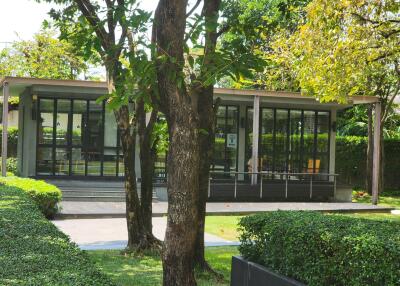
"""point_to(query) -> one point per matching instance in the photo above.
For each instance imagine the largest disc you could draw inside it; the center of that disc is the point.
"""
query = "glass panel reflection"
(267, 137)
(46, 121)
(63, 110)
(77, 162)
(94, 139)
(110, 162)
(78, 122)
(44, 160)
(62, 162)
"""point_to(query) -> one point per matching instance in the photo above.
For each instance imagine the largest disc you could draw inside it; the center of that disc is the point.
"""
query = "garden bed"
(34, 252)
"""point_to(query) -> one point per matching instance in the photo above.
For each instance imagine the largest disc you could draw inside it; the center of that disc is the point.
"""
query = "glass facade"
(290, 140)
(77, 138)
(226, 139)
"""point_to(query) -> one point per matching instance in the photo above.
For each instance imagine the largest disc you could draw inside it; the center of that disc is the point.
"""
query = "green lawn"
(389, 198)
(147, 270)
(223, 226)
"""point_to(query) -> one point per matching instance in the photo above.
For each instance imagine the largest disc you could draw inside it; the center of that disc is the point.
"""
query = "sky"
(20, 19)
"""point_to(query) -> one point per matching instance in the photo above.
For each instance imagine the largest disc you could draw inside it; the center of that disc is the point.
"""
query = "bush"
(12, 166)
(319, 249)
(45, 195)
(12, 140)
(34, 252)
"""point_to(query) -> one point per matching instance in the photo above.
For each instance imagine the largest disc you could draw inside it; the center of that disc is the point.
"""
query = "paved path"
(92, 234)
(117, 209)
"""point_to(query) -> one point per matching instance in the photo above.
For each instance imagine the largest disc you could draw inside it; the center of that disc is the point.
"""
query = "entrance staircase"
(97, 191)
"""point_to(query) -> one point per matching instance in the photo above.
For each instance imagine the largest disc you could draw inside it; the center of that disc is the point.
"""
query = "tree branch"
(193, 9)
(88, 11)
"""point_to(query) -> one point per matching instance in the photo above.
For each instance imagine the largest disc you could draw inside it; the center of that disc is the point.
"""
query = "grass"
(389, 198)
(223, 226)
(146, 270)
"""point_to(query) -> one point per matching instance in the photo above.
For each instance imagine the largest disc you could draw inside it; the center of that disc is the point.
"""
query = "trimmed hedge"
(34, 252)
(319, 249)
(45, 195)
(351, 161)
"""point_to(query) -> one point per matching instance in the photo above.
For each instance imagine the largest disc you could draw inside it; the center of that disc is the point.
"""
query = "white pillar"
(5, 131)
(376, 155)
(256, 125)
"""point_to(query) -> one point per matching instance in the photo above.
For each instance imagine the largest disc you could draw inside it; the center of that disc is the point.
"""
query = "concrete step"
(94, 199)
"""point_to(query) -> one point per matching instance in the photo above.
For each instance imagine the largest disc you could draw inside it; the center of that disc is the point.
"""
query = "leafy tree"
(350, 48)
(264, 24)
(43, 57)
(190, 61)
(114, 32)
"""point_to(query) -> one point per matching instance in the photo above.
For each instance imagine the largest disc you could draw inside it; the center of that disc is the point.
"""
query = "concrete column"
(242, 142)
(376, 154)
(332, 145)
(5, 131)
(256, 125)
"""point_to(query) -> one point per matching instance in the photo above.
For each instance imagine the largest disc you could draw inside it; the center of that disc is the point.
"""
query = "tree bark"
(147, 155)
(207, 118)
(183, 155)
(370, 149)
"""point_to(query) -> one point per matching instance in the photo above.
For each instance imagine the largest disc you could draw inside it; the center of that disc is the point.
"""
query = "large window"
(226, 139)
(290, 140)
(77, 137)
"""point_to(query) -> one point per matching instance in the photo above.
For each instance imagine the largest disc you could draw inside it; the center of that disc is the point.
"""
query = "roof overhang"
(23, 82)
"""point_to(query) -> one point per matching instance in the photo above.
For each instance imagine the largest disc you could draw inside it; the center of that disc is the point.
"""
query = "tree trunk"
(207, 117)
(370, 153)
(133, 217)
(183, 162)
(183, 155)
(206, 146)
(147, 159)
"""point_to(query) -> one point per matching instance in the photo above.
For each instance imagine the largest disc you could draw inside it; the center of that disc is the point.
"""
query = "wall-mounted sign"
(231, 139)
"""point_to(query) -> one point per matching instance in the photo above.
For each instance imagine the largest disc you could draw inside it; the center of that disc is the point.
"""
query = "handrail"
(264, 173)
(275, 173)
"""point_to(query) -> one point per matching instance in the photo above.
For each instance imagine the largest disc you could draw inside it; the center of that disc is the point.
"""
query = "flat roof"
(23, 81)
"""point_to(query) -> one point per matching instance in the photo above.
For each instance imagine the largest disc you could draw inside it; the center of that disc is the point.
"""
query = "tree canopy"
(43, 57)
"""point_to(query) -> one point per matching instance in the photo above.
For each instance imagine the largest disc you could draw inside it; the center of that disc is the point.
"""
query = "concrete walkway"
(93, 234)
(70, 209)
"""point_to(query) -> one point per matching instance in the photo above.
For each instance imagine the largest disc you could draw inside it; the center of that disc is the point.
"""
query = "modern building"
(268, 145)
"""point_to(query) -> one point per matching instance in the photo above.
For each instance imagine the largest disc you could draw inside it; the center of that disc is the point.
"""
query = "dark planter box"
(247, 273)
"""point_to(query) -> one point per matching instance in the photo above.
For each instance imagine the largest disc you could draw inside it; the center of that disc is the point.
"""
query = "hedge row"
(351, 161)
(34, 252)
(45, 195)
(319, 249)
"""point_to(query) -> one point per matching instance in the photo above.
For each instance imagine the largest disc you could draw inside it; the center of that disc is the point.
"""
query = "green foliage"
(261, 25)
(348, 48)
(43, 57)
(12, 140)
(45, 195)
(320, 249)
(34, 252)
(351, 160)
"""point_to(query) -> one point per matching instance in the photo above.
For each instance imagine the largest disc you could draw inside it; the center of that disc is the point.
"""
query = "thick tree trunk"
(183, 162)
(183, 155)
(370, 149)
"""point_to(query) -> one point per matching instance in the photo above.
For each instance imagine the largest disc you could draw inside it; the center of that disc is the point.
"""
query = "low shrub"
(12, 140)
(11, 165)
(319, 249)
(45, 195)
(34, 252)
